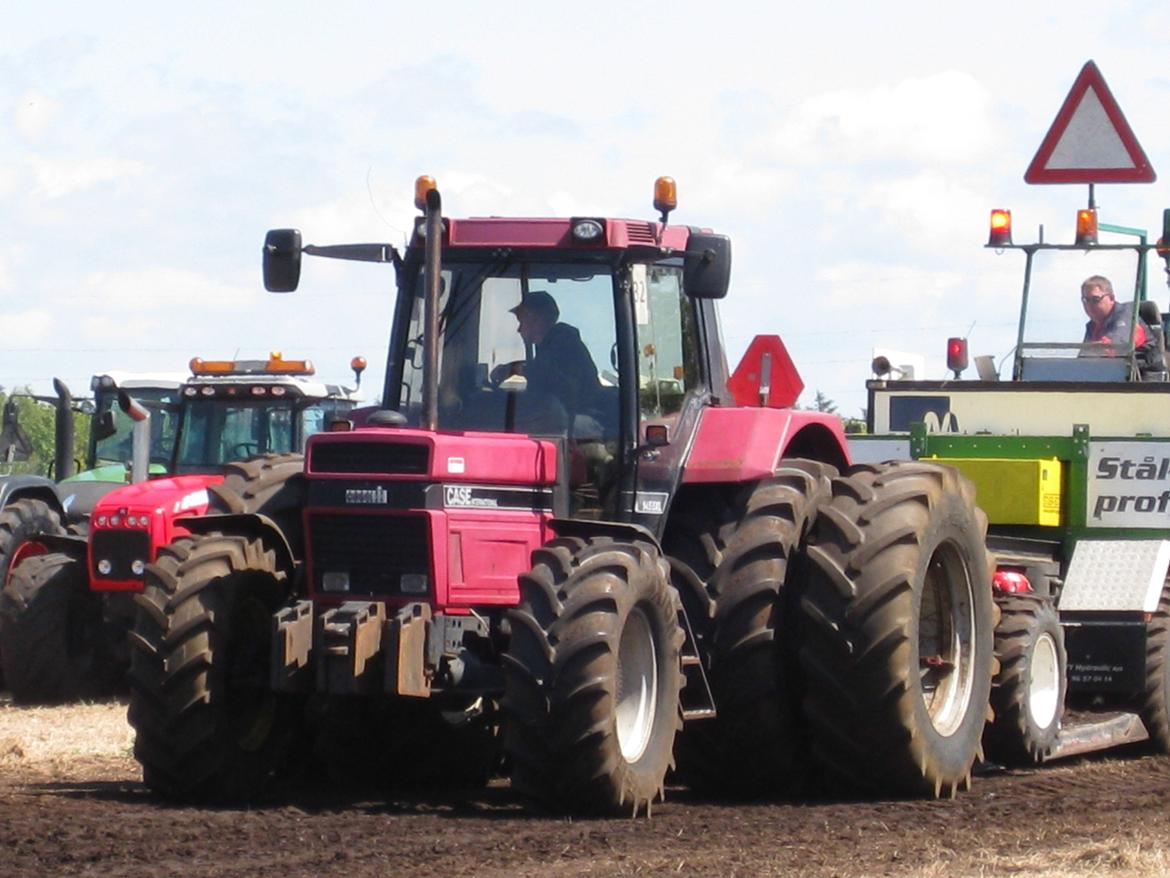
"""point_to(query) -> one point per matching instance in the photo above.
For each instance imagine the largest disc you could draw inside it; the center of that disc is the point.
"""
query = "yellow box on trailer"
(1013, 491)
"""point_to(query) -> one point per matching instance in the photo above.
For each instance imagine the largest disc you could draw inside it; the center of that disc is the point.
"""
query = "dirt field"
(71, 804)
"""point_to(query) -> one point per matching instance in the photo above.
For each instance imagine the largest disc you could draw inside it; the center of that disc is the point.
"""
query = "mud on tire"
(54, 643)
(744, 552)
(898, 630)
(1027, 693)
(208, 726)
(592, 677)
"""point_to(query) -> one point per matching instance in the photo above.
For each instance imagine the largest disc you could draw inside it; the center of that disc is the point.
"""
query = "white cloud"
(34, 113)
(57, 178)
(946, 116)
(179, 292)
(26, 329)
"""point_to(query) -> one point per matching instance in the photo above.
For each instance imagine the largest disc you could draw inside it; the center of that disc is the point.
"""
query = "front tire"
(209, 728)
(898, 630)
(1027, 694)
(592, 677)
(54, 643)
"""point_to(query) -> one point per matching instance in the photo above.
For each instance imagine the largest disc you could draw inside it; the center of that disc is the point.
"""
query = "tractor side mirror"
(282, 260)
(105, 427)
(707, 272)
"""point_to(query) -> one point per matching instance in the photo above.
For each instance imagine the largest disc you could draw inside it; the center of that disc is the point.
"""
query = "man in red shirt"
(1110, 321)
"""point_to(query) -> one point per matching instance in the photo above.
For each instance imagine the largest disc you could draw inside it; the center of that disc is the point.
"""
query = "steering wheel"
(245, 449)
(505, 370)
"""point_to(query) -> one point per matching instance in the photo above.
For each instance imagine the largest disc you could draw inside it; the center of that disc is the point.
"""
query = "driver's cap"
(538, 302)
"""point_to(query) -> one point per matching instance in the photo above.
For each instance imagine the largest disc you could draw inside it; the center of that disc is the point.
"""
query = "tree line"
(28, 433)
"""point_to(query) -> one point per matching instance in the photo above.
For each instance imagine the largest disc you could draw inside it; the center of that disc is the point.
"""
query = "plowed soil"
(71, 803)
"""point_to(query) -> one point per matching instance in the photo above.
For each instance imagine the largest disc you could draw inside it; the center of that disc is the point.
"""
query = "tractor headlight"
(588, 229)
(104, 567)
(137, 567)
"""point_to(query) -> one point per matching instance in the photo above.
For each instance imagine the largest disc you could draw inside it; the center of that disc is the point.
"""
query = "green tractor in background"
(1070, 456)
(33, 504)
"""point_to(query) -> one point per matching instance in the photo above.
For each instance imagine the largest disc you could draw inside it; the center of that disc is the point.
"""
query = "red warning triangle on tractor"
(1090, 141)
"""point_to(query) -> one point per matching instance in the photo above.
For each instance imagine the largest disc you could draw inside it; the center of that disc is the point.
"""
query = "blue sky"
(852, 151)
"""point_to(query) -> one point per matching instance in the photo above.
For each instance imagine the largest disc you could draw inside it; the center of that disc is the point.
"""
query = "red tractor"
(68, 602)
(567, 510)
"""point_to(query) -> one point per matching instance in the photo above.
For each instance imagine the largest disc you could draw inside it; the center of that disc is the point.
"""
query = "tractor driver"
(1109, 322)
(561, 364)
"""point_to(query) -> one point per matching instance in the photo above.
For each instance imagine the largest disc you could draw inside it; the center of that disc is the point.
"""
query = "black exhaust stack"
(432, 277)
(63, 432)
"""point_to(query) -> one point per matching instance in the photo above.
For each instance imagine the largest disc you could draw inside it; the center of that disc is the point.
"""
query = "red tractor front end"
(413, 539)
(129, 526)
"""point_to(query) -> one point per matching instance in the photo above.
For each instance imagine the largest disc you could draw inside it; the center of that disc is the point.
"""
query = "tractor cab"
(234, 409)
(545, 343)
(596, 335)
(1085, 319)
(1089, 350)
(111, 437)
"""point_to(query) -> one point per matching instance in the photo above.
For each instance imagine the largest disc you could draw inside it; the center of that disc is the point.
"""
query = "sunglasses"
(1095, 299)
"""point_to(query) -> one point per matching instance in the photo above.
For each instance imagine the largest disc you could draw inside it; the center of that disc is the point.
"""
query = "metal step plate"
(1116, 575)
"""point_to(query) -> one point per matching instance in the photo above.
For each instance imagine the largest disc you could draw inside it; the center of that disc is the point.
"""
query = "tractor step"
(1087, 733)
(697, 700)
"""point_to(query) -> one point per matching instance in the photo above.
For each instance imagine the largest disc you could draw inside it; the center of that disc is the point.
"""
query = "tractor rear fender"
(18, 487)
(248, 525)
(735, 445)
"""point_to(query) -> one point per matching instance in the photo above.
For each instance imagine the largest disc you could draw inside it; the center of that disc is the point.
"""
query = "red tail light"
(1005, 580)
(956, 355)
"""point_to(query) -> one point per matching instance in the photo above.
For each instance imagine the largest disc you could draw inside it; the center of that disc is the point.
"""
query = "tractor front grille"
(121, 548)
(369, 458)
(369, 554)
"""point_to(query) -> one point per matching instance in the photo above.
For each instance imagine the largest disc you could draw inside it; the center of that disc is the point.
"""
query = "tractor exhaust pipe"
(63, 432)
(432, 279)
(140, 439)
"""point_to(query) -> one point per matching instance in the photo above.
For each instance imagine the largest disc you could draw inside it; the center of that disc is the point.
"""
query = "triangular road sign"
(1090, 141)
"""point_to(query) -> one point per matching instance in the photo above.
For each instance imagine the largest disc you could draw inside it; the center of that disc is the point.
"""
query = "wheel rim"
(946, 625)
(1044, 682)
(637, 685)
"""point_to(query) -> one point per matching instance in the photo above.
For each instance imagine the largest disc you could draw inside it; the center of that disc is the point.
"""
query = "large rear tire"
(755, 746)
(208, 726)
(1027, 694)
(1155, 706)
(53, 640)
(592, 677)
(270, 484)
(21, 520)
(898, 630)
